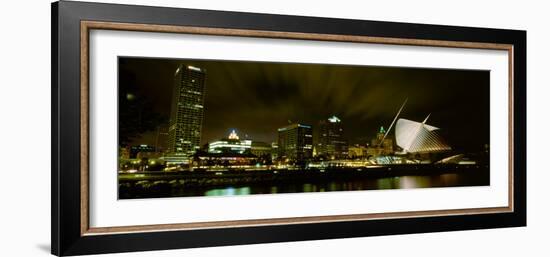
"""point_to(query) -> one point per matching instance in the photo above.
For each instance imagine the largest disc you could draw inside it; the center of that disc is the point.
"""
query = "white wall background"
(25, 127)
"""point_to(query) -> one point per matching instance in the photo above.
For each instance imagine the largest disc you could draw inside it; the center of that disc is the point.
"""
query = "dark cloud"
(256, 98)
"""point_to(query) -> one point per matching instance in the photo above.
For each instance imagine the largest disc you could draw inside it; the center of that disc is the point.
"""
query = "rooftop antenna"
(394, 119)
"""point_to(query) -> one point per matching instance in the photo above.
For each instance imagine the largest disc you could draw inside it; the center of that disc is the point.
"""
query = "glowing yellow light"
(334, 119)
(233, 135)
(193, 68)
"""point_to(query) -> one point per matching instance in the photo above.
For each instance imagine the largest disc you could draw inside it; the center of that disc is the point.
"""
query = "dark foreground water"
(177, 188)
(402, 182)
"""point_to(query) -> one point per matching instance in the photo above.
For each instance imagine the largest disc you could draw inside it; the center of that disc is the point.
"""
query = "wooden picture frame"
(71, 25)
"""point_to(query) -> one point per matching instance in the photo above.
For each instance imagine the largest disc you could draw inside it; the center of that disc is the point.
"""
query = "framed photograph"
(178, 128)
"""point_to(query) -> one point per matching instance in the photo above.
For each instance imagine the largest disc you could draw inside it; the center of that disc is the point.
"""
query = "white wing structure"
(418, 137)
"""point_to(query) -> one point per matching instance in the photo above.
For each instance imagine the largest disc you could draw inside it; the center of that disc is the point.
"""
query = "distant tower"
(383, 144)
(295, 143)
(331, 139)
(184, 133)
(381, 133)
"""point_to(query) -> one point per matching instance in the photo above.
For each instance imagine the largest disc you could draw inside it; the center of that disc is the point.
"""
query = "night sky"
(256, 98)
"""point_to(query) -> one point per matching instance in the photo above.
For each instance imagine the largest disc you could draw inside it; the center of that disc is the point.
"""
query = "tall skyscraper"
(295, 143)
(184, 132)
(331, 142)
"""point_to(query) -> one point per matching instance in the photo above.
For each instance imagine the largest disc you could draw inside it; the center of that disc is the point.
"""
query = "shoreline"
(175, 184)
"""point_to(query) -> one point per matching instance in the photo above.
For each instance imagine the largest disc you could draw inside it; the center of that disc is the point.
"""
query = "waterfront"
(237, 183)
(220, 128)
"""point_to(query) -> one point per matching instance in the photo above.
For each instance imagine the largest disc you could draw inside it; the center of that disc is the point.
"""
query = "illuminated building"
(381, 145)
(123, 153)
(229, 152)
(137, 149)
(148, 155)
(231, 144)
(184, 132)
(235, 161)
(161, 138)
(419, 137)
(295, 143)
(274, 151)
(414, 137)
(357, 151)
(331, 142)
(260, 149)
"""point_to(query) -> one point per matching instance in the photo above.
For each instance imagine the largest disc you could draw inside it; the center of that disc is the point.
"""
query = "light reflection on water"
(401, 182)
(228, 191)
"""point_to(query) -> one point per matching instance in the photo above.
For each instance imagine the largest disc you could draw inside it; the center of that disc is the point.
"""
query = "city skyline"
(303, 128)
(260, 111)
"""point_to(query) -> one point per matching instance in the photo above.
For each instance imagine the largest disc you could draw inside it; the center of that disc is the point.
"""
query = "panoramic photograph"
(194, 128)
